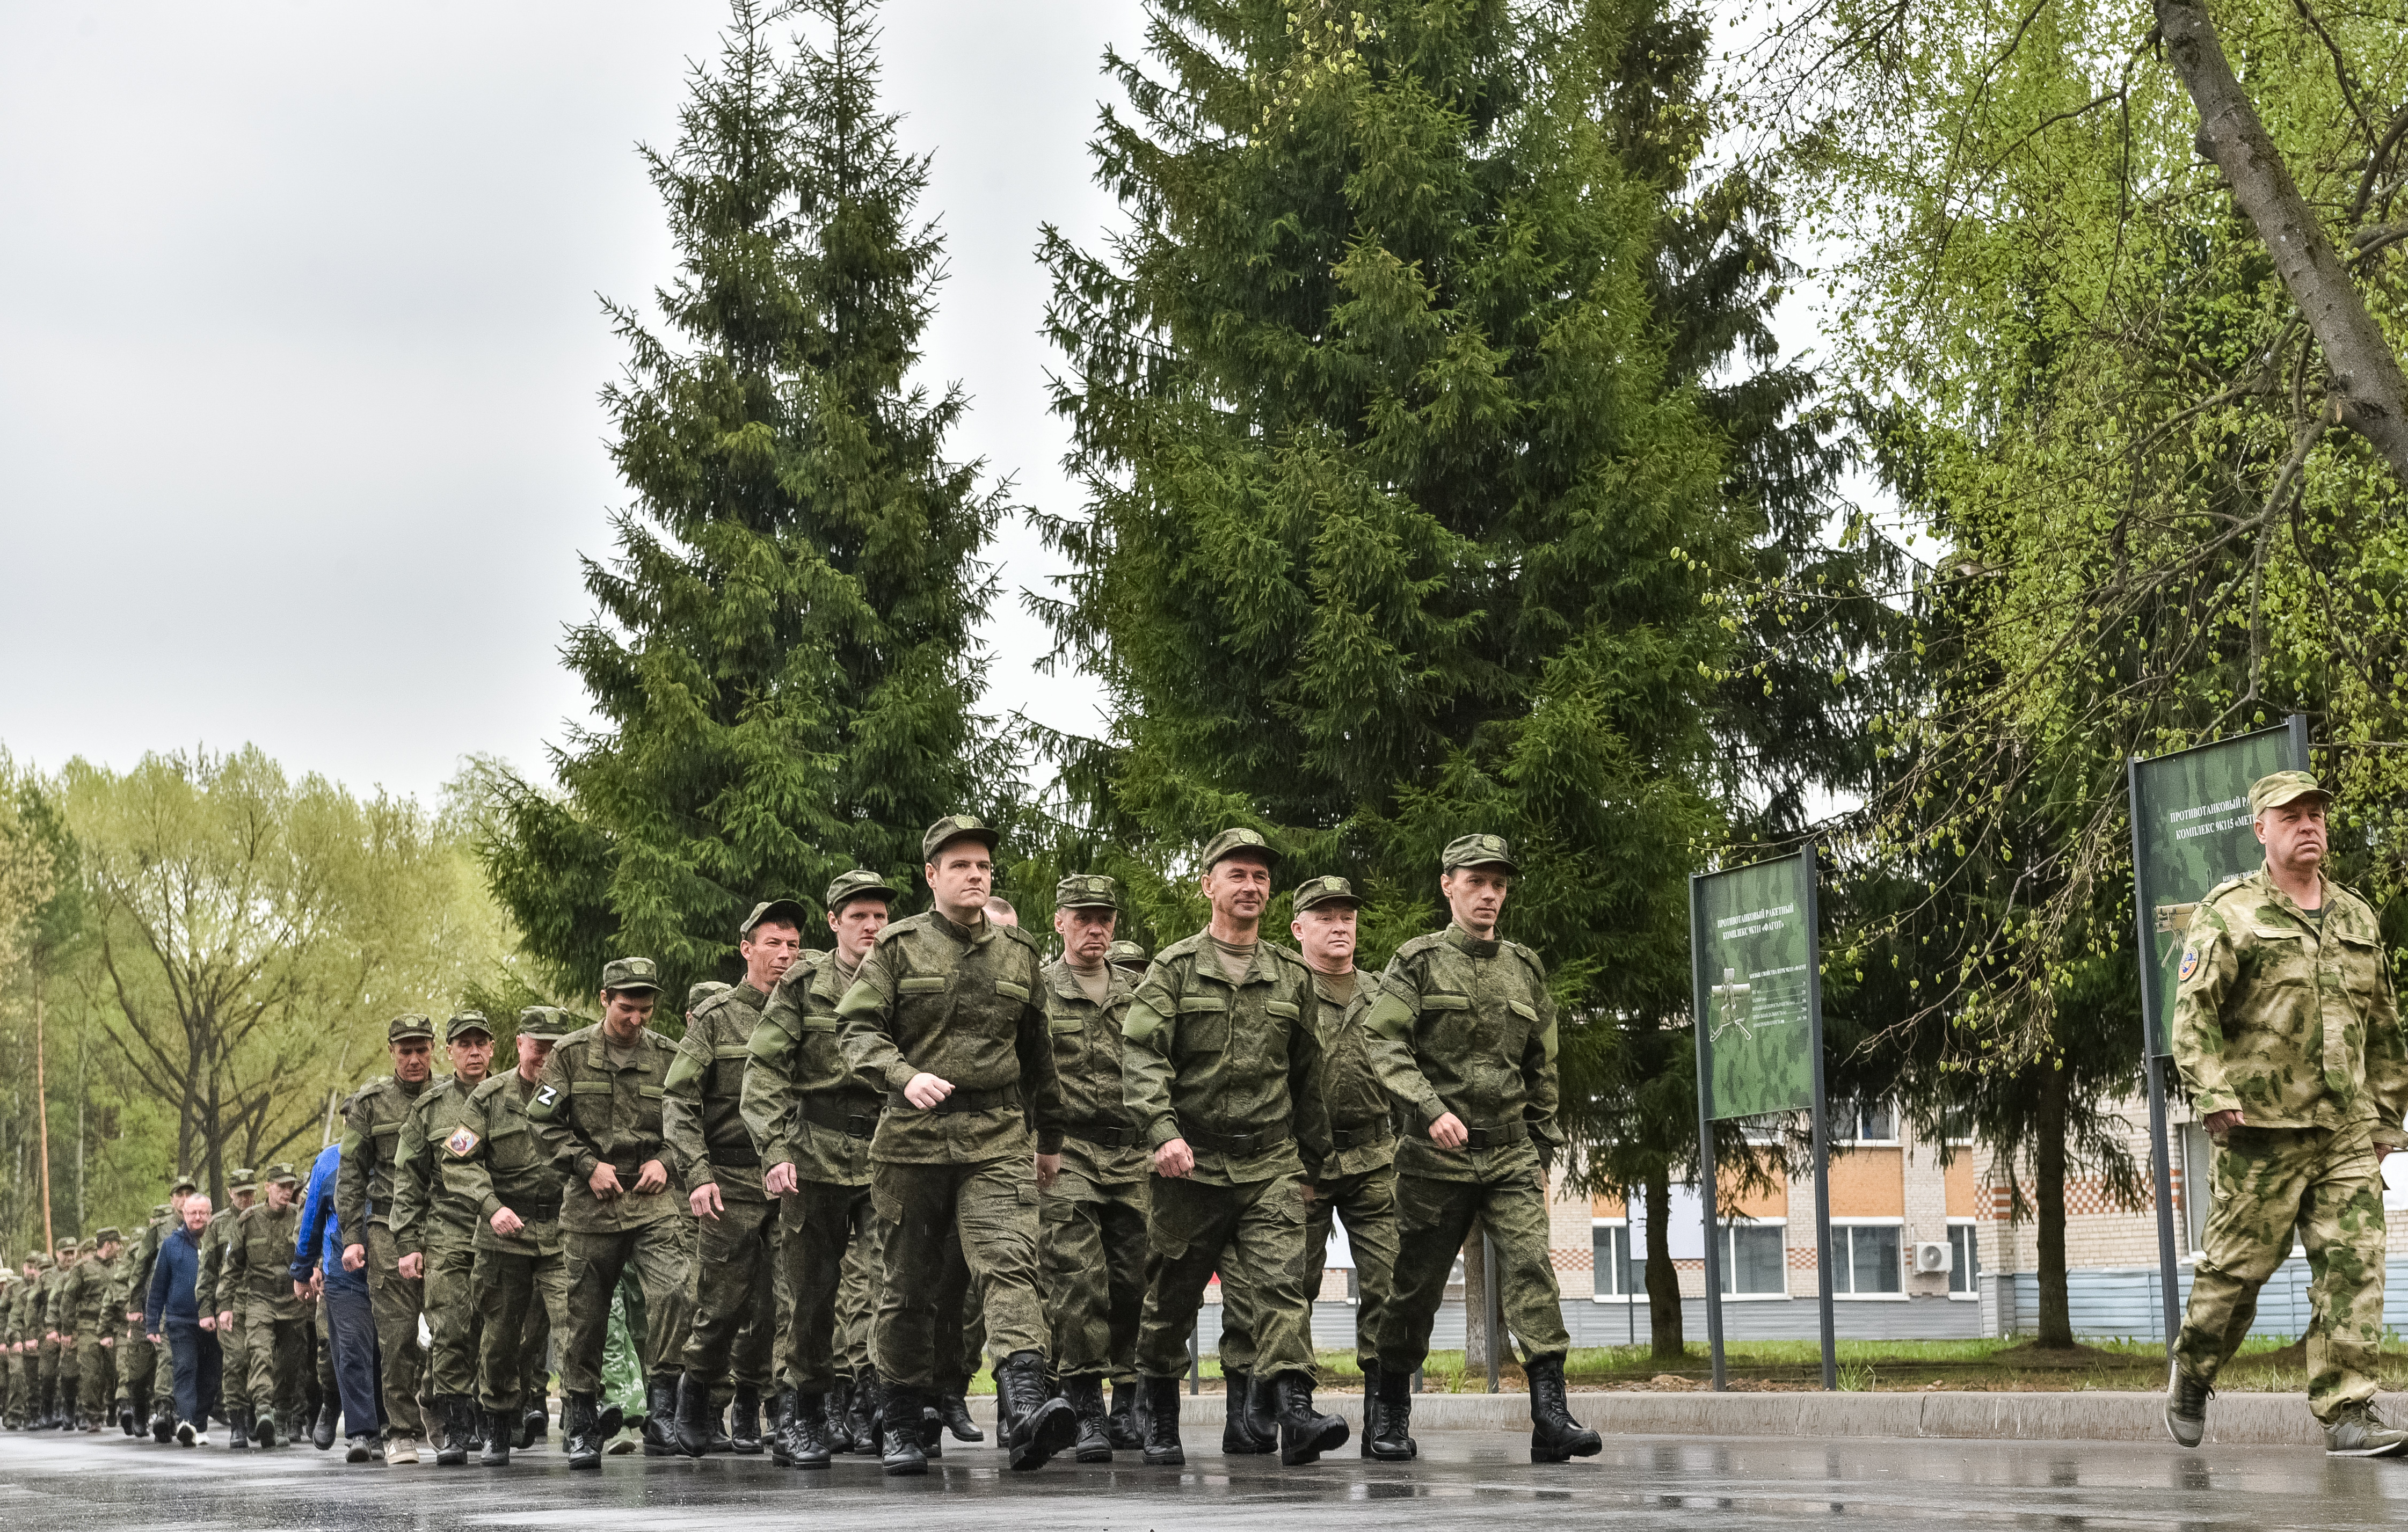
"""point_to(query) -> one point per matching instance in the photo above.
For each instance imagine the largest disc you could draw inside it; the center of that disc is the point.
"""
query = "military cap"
(544, 1022)
(467, 1021)
(859, 883)
(1477, 850)
(161, 1210)
(1085, 891)
(788, 911)
(1126, 954)
(955, 827)
(242, 1177)
(183, 1182)
(631, 974)
(2282, 787)
(1321, 891)
(281, 1174)
(404, 1028)
(67, 1246)
(697, 994)
(107, 1235)
(1230, 842)
(40, 1260)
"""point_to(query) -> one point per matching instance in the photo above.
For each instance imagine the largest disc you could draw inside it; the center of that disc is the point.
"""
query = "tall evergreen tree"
(782, 663)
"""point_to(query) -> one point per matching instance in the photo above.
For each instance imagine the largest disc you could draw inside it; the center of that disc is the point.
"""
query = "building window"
(1865, 1259)
(1763, 1128)
(1753, 1262)
(1618, 1276)
(1964, 1259)
(1956, 1126)
(1867, 1123)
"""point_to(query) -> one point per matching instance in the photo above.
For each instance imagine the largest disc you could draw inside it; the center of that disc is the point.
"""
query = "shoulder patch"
(462, 1140)
(2189, 965)
(545, 1096)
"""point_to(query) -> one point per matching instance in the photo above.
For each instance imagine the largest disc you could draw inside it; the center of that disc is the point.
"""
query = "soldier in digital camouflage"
(436, 1232)
(2288, 1034)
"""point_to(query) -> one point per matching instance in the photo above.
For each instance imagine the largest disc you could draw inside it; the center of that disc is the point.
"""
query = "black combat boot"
(781, 1417)
(1086, 1397)
(1162, 1447)
(264, 1429)
(898, 1415)
(534, 1422)
(932, 1428)
(663, 1398)
(1392, 1441)
(1240, 1435)
(1304, 1432)
(838, 1423)
(67, 1418)
(953, 1407)
(806, 1436)
(238, 1430)
(581, 1426)
(721, 1442)
(321, 1430)
(864, 1411)
(1370, 1405)
(163, 1426)
(607, 1423)
(694, 1417)
(1032, 1426)
(1554, 1436)
(476, 1442)
(125, 1418)
(459, 1413)
(744, 1424)
(1121, 1427)
(499, 1428)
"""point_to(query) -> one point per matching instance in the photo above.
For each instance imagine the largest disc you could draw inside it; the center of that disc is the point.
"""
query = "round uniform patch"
(2189, 965)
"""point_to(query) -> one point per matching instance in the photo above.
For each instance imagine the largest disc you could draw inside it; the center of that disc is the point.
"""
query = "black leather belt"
(1496, 1137)
(743, 1155)
(961, 1100)
(855, 1116)
(535, 1212)
(1236, 1143)
(1103, 1135)
(1357, 1138)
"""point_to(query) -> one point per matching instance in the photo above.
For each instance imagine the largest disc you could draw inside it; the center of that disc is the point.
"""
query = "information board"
(1754, 952)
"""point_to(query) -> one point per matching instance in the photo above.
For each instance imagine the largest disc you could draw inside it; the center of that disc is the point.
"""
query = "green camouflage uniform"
(372, 1122)
(429, 1221)
(213, 1295)
(1464, 1026)
(12, 1364)
(731, 1294)
(1236, 1071)
(2289, 1018)
(259, 1278)
(588, 1111)
(54, 1322)
(88, 1305)
(954, 1190)
(805, 1108)
(494, 1160)
(1091, 1239)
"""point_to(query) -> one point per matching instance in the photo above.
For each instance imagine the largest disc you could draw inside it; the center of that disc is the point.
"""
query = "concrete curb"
(2269, 1419)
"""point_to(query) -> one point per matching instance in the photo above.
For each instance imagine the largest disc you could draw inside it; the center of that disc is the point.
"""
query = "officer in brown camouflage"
(436, 1232)
(2288, 1034)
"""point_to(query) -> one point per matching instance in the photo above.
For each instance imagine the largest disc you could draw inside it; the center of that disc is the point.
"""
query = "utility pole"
(42, 1114)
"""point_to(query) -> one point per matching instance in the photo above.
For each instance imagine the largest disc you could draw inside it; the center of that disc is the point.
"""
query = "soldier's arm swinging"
(1387, 1041)
(1150, 1032)
(682, 1120)
(767, 1102)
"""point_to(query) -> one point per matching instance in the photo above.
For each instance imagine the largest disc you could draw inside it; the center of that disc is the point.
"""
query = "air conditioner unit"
(1931, 1257)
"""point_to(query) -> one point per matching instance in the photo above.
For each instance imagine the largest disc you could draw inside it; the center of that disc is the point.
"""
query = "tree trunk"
(1663, 1282)
(1475, 1305)
(2048, 1171)
(2368, 387)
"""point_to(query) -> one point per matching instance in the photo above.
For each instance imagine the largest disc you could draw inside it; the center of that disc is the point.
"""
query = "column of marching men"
(863, 1173)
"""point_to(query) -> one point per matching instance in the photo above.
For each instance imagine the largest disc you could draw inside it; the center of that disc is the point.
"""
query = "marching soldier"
(1091, 1235)
(2287, 1031)
(58, 1383)
(597, 1112)
(1130, 959)
(435, 1233)
(702, 1117)
(1462, 1032)
(364, 1209)
(1224, 1076)
(221, 1307)
(948, 1015)
(12, 1358)
(93, 1339)
(493, 1161)
(274, 1323)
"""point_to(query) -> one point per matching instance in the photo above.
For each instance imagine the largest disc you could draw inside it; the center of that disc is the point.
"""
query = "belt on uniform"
(1103, 1135)
(961, 1100)
(1495, 1136)
(535, 1212)
(1236, 1143)
(1378, 1132)
(855, 1116)
(741, 1156)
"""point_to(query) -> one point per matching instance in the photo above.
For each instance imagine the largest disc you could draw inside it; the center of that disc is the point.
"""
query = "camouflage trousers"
(1434, 1218)
(940, 1227)
(137, 1361)
(1253, 1235)
(1091, 1246)
(856, 1302)
(823, 1256)
(396, 1302)
(234, 1361)
(95, 1376)
(732, 1294)
(45, 1375)
(1367, 1205)
(16, 1398)
(276, 1342)
(658, 1254)
(2326, 1182)
(453, 1321)
(522, 1302)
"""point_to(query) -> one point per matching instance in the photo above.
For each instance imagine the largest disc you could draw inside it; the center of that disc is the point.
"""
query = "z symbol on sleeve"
(547, 1096)
(460, 1141)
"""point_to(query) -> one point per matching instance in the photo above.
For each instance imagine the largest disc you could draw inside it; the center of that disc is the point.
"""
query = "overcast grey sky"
(299, 349)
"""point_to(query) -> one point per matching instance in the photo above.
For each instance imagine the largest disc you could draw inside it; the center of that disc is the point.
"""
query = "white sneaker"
(185, 1434)
(399, 1451)
(201, 1439)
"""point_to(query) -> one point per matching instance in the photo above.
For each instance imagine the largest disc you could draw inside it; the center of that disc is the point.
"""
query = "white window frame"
(1781, 1226)
(1856, 1115)
(1973, 1243)
(1629, 1231)
(1838, 1239)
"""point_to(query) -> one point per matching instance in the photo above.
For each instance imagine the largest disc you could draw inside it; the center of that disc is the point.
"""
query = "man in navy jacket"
(318, 1262)
(172, 1311)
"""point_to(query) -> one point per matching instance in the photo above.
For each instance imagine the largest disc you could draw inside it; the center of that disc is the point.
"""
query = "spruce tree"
(782, 662)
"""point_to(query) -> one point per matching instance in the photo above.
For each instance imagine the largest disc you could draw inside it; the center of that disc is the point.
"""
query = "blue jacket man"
(351, 1323)
(171, 1309)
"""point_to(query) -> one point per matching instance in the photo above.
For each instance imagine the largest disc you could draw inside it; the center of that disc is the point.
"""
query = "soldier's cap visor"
(2282, 787)
(466, 1022)
(404, 1028)
(958, 827)
(790, 911)
(1478, 850)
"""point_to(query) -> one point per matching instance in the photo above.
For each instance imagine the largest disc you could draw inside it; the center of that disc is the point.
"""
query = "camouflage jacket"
(1464, 1026)
(499, 1162)
(588, 1111)
(87, 1297)
(259, 1258)
(139, 1259)
(211, 1293)
(1087, 1041)
(795, 1070)
(2290, 1022)
(702, 1114)
(423, 1208)
(1207, 1060)
(966, 1006)
(372, 1129)
(1362, 1127)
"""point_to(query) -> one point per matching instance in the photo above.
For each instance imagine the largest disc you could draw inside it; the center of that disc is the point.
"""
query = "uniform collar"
(1465, 942)
(982, 932)
(1064, 980)
(2327, 888)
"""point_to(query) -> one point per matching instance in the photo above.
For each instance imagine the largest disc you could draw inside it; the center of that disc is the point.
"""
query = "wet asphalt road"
(52, 1483)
